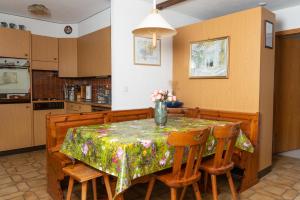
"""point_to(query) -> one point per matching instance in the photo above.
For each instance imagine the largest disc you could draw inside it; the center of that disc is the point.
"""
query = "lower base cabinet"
(39, 124)
(15, 126)
(77, 108)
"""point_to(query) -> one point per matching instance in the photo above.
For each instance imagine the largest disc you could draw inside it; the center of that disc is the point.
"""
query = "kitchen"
(40, 75)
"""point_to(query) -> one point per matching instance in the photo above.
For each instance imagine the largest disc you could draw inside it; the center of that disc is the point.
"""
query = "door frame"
(279, 34)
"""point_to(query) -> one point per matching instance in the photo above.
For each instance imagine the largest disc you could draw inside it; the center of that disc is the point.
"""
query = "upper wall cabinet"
(14, 43)
(44, 53)
(67, 57)
(94, 53)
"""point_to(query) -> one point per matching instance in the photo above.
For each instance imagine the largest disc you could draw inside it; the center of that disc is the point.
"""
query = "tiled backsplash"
(47, 84)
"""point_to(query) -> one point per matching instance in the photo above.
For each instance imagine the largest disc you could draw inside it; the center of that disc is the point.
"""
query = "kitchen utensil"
(22, 27)
(88, 92)
(12, 25)
(4, 25)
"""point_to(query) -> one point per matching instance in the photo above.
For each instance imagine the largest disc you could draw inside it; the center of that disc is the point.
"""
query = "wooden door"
(44, 53)
(67, 57)
(287, 94)
(14, 43)
(94, 53)
(39, 124)
(15, 126)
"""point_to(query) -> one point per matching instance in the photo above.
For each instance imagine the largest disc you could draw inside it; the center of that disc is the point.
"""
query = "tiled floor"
(23, 176)
(294, 153)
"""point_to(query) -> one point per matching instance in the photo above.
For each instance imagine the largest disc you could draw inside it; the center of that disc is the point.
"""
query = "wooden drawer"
(78, 108)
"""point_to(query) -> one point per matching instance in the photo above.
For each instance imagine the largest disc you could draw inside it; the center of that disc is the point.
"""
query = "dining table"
(132, 149)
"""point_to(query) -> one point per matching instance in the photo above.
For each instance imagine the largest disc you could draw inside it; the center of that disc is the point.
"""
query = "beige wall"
(241, 91)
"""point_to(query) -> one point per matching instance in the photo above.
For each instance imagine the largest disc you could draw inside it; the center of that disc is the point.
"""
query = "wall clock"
(68, 29)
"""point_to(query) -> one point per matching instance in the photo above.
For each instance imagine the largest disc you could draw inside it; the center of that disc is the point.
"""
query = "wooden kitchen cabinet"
(44, 53)
(39, 124)
(67, 64)
(15, 126)
(14, 43)
(78, 108)
(94, 53)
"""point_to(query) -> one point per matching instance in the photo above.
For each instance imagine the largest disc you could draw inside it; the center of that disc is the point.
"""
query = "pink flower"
(120, 152)
(158, 97)
(174, 98)
(146, 143)
(155, 92)
(170, 98)
(163, 161)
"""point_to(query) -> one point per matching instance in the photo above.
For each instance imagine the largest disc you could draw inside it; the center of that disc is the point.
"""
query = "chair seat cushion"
(208, 166)
(172, 181)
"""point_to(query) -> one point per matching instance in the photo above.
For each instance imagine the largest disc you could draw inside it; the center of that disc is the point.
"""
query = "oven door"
(14, 80)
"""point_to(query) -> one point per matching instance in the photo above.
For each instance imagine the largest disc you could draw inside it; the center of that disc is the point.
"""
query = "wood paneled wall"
(241, 91)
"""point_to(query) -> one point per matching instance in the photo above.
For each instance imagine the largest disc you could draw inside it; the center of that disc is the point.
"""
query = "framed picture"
(145, 53)
(269, 32)
(209, 58)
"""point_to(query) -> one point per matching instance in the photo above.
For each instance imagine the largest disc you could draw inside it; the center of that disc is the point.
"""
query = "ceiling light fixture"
(155, 26)
(39, 9)
(262, 3)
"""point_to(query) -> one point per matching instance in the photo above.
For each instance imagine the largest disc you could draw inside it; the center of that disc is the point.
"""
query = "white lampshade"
(154, 23)
(154, 26)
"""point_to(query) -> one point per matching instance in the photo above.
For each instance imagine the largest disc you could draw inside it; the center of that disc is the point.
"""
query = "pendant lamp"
(155, 26)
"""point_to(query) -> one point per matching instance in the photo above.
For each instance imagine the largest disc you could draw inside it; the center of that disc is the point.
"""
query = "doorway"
(287, 93)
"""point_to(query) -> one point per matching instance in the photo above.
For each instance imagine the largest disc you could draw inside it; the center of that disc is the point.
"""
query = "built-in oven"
(14, 80)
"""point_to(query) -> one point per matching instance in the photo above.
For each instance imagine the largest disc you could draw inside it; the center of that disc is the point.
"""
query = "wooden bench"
(247, 162)
(128, 115)
(57, 126)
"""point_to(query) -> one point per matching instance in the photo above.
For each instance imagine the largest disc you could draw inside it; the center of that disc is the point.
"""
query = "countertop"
(92, 103)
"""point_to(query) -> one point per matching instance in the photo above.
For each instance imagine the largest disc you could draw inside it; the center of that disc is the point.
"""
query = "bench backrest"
(58, 125)
(249, 121)
(128, 115)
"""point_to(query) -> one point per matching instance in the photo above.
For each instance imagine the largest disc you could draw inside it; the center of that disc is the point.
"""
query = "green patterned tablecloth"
(132, 149)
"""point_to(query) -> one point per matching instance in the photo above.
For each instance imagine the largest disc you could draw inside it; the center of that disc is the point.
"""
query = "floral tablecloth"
(132, 149)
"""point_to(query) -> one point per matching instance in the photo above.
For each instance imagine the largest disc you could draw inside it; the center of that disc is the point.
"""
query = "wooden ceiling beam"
(168, 3)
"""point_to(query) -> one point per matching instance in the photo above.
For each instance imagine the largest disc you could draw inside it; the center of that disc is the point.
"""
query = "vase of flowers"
(160, 97)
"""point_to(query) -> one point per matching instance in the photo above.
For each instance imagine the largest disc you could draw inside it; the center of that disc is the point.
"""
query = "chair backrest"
(128, 115)
(58, 125)
(226, 137)
(195, 142)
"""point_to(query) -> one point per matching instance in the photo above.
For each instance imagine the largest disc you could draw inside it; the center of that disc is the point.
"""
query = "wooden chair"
(128, 115)
(82, 174)
(222, 163)
(182, 177)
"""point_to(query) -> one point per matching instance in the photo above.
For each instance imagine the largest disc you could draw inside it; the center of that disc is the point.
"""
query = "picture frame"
(209, 59)
(144, 53)
(269, 34)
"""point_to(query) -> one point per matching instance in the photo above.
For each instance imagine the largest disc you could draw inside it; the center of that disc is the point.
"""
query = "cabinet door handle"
(26, 54)
(55, 58)
(27, 107)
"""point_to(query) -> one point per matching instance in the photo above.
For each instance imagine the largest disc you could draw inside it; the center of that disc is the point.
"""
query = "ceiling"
(205, 9)
(62, 11)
